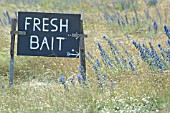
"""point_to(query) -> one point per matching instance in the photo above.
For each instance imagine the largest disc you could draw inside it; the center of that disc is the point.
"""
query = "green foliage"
(4, 58)
(125, 4)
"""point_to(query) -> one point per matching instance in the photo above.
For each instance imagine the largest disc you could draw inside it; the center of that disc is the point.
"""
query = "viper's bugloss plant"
(3, 86)
(72, 80)
(167, 31)
(62, 79)
(155, 26)
(81, 80)
(151, 57)
(151, 2)
(105, 57)
(159, 15)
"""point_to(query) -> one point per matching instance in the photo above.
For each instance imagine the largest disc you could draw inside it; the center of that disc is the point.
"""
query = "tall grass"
(127, 57)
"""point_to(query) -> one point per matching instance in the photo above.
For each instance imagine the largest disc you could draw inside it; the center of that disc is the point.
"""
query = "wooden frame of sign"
(74, 34)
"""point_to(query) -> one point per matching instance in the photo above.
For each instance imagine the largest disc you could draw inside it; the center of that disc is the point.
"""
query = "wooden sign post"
(48, 34)
(82, 53)
(13, 29)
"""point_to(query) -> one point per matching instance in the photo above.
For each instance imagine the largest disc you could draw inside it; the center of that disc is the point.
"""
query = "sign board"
(48, 34)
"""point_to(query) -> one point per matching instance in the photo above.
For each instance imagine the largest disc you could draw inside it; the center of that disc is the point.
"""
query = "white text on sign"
(45, 23)
(36, 22)
(35, 44)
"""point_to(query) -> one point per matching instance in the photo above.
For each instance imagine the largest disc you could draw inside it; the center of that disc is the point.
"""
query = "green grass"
(36, 82)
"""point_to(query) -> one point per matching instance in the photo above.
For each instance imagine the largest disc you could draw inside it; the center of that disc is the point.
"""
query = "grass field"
(127, 60)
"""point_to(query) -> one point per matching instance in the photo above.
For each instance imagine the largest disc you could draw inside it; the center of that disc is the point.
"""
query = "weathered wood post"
(13, 30)
(82, 52)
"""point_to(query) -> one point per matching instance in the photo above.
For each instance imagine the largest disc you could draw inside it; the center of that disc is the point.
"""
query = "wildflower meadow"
(127, 54)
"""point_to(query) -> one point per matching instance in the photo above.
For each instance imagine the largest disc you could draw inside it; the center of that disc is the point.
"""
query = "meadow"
(127, 60)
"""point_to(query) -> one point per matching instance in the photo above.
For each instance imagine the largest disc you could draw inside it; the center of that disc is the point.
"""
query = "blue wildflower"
(166, 29)
(3, 86)
(152, 2)
(160, 47)
(119, 42)
(160, 65)
(149, 29)
(112, 84)
(109, 63)
(147, 14)
(117, 60)
(124, 62)
(126, 18)
(159, 15)
(138, 45)
(128, 37)
(131, 66)
(104, 80)
(168, 42)
(142, 55)
(134, 43)
(126, 52)
(99, 46)
(103, 75)
(62, 79)
(8, 17)
(150, 39)
(118, 21)
(95, 67)
(163, 55)
(91, 56)
(79, 77)
(167, 32)
(168, 52)
(136, 14)
(98, 62)
(72, 80)
(82, 71)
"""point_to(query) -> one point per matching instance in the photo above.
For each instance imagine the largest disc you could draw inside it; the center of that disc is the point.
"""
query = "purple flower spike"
(103, 75)
(62, 79)
(3, 86)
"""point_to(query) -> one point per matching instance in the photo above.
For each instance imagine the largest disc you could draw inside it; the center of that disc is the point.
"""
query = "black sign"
(48, 34)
